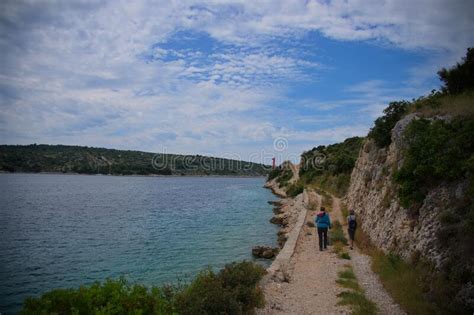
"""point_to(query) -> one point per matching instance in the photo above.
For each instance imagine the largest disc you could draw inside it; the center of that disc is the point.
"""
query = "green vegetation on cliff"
(86, 160)
(330, 167)
(381, 132)
(232, 290)
(438, 152)
(441, 152)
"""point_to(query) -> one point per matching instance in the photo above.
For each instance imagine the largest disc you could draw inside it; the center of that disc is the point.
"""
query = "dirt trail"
(368, 280)
(310, 285)
(296, 172)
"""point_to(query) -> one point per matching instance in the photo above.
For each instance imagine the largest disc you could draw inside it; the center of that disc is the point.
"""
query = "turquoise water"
(66, 230)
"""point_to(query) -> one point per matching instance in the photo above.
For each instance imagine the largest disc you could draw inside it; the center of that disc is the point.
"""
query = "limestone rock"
(266, 252)
(373, 195)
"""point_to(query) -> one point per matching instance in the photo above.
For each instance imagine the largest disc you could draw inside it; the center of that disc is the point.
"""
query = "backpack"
(352, 223)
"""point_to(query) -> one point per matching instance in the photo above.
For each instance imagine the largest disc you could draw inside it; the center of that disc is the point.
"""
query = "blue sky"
(222, 78)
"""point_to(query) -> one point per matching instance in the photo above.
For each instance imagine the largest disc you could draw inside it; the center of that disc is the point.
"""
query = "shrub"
(285, 175)
(295, 189)
(381, 132)
(111, 297)
(233, 290)
(274, 173)
(437, 151)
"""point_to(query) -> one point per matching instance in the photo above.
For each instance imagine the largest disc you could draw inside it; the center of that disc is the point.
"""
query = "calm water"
(66, 230)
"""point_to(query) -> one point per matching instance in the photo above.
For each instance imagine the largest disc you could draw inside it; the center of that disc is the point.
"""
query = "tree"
(459, 78)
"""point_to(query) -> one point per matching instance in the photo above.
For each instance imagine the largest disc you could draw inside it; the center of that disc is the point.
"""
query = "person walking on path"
(351, 226)
(323, 222)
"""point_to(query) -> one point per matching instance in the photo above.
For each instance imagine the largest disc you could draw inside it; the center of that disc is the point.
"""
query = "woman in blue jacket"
(323, 222)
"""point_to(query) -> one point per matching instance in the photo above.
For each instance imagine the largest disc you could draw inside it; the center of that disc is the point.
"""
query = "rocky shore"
(289, 214)
(302, 279)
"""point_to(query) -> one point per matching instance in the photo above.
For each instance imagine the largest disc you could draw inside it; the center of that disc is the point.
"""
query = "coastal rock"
(276, 203)
(282, 239)
(277, 210)
(277, 220)
(266, 252)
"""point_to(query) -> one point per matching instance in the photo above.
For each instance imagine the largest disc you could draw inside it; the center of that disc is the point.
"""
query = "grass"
(359, 303)
(326, 199)
(313, 204)
(336, 234)
(397, 275)
(354, 296)
(454, 105)
(344, 255)
(327, 202)
(338, 240)
(345, 212)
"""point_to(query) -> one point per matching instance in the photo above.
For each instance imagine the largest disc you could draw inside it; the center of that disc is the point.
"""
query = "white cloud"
(74, 72)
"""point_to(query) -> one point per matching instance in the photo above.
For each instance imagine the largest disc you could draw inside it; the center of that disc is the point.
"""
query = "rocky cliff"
(373, 195)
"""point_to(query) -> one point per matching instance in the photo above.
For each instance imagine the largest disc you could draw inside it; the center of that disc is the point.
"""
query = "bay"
(61, 231)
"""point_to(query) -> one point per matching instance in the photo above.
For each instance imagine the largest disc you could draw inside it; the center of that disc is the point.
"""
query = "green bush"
(285, 175)
(274, 173)
(110, 297)
(381, 132)
(295, 189)
(233, 290)
(437, 151)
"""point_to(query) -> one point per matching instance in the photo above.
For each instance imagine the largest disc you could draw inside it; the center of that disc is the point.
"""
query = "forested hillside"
(86, 160)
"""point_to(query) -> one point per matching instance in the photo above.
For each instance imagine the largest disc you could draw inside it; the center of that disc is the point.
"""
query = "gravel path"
(368, 280)
(310, 285)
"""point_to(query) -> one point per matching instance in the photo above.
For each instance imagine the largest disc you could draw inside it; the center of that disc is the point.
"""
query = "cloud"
(199, 76)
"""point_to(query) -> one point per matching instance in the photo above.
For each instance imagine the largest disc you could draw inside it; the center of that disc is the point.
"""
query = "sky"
(249, 80)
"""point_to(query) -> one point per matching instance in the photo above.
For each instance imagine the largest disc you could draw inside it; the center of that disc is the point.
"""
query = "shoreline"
(290, 213)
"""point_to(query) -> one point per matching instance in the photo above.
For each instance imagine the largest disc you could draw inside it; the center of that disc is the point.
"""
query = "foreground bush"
(233, 290)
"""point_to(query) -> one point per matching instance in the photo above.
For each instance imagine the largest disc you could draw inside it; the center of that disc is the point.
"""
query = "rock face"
(264, 252)
(373, 195)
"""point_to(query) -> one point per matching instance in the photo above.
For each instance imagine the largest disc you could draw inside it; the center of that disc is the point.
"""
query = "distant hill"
(86, 160)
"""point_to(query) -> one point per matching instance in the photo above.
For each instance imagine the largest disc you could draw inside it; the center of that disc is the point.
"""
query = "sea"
(63, 231)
